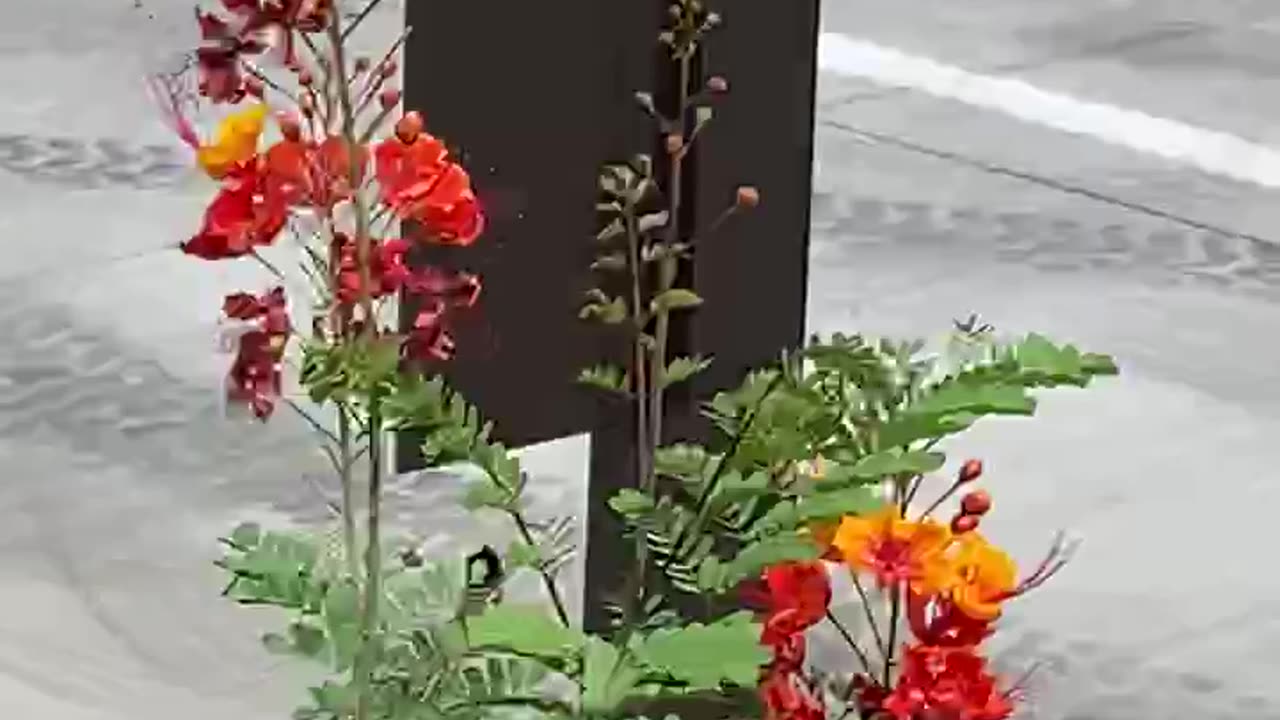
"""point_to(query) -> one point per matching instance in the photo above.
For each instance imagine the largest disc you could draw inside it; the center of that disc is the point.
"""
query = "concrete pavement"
(925, 209)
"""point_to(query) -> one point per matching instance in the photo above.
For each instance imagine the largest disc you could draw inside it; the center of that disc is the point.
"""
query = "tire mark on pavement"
(844, 222)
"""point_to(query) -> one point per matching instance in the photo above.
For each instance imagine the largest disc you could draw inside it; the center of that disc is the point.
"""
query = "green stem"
(373, 568)
(637, 581)
(364, 244)
(364, 667)
(668, 268)
(891, 651)
(871, 619)
(848, 639)
(548, 581)
(346, 463)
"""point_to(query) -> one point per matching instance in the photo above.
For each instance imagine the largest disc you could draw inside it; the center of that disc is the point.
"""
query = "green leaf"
(608, 678)
(342, 622)
(1098, 364)
(245, 535)
(523, 630)
(612, 312)
(711, 574)
(653, 221)
(610, 262)
(629, 502)
(909, 428)
(484, 493)
(838, 503)
(754, 558)
(681, 460)
(522, 554)
(953, 398)
(706, 656)
(894, 462)
(683, 368)
(610, 378)
(675, 299)
(277, 569)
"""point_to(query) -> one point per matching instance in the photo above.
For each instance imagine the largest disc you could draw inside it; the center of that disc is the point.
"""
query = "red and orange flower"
(895, 550)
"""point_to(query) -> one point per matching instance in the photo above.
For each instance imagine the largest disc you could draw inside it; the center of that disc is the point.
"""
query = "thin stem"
(668, 269)
(871, 618)
(354, 174)
(346, 464)
(941, 499)
(364, 667)
(364, 13)
(374, 78)
(548, 581)
(894, 611)
(644, 455)
(848, 639)
(266, 80)
(372, 564)
(270, 266)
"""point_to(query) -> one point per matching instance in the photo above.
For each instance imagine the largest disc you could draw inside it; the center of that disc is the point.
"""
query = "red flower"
(254, 378)
(387, 271)
(946, 684)
(219, 57)
(244, 215)
(788, 696)
(935, 620)
(418, 182)
(794, 596)
(304, 173)
(440, 293)
(248, 27)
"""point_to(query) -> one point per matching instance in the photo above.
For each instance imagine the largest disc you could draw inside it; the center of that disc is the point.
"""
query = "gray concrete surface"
(117, 475)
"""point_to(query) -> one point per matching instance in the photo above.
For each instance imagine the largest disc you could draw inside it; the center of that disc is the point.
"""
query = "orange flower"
(235, 142)
(985, 576)
(896, 550)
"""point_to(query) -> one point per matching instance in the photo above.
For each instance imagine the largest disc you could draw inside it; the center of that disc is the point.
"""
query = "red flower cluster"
(439, 293)
(245, 28)
(946, 684)
(420, 183)
(387, 271)
(245, 214)
(794, 597)
(254, 378)
(311, 174)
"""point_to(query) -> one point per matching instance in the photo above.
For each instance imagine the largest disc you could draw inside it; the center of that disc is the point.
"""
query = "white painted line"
(1214, 152)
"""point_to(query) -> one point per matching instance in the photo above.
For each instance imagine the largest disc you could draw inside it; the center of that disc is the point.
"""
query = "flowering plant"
(316, 148)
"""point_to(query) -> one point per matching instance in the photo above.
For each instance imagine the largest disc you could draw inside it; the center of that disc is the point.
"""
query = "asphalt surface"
(118, 472)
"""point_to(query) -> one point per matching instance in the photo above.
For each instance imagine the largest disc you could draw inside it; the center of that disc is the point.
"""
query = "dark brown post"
(538, 96)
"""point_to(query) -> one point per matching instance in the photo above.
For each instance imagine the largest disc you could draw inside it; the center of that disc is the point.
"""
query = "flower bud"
(409, 127)
(305, 78)
(717, 84)
(674, 143)
(970, 471)
(976, 503)
(961, 524)
(748, 197)
(254, 86)
(388, 68)
(389, 98)
(289, 127)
